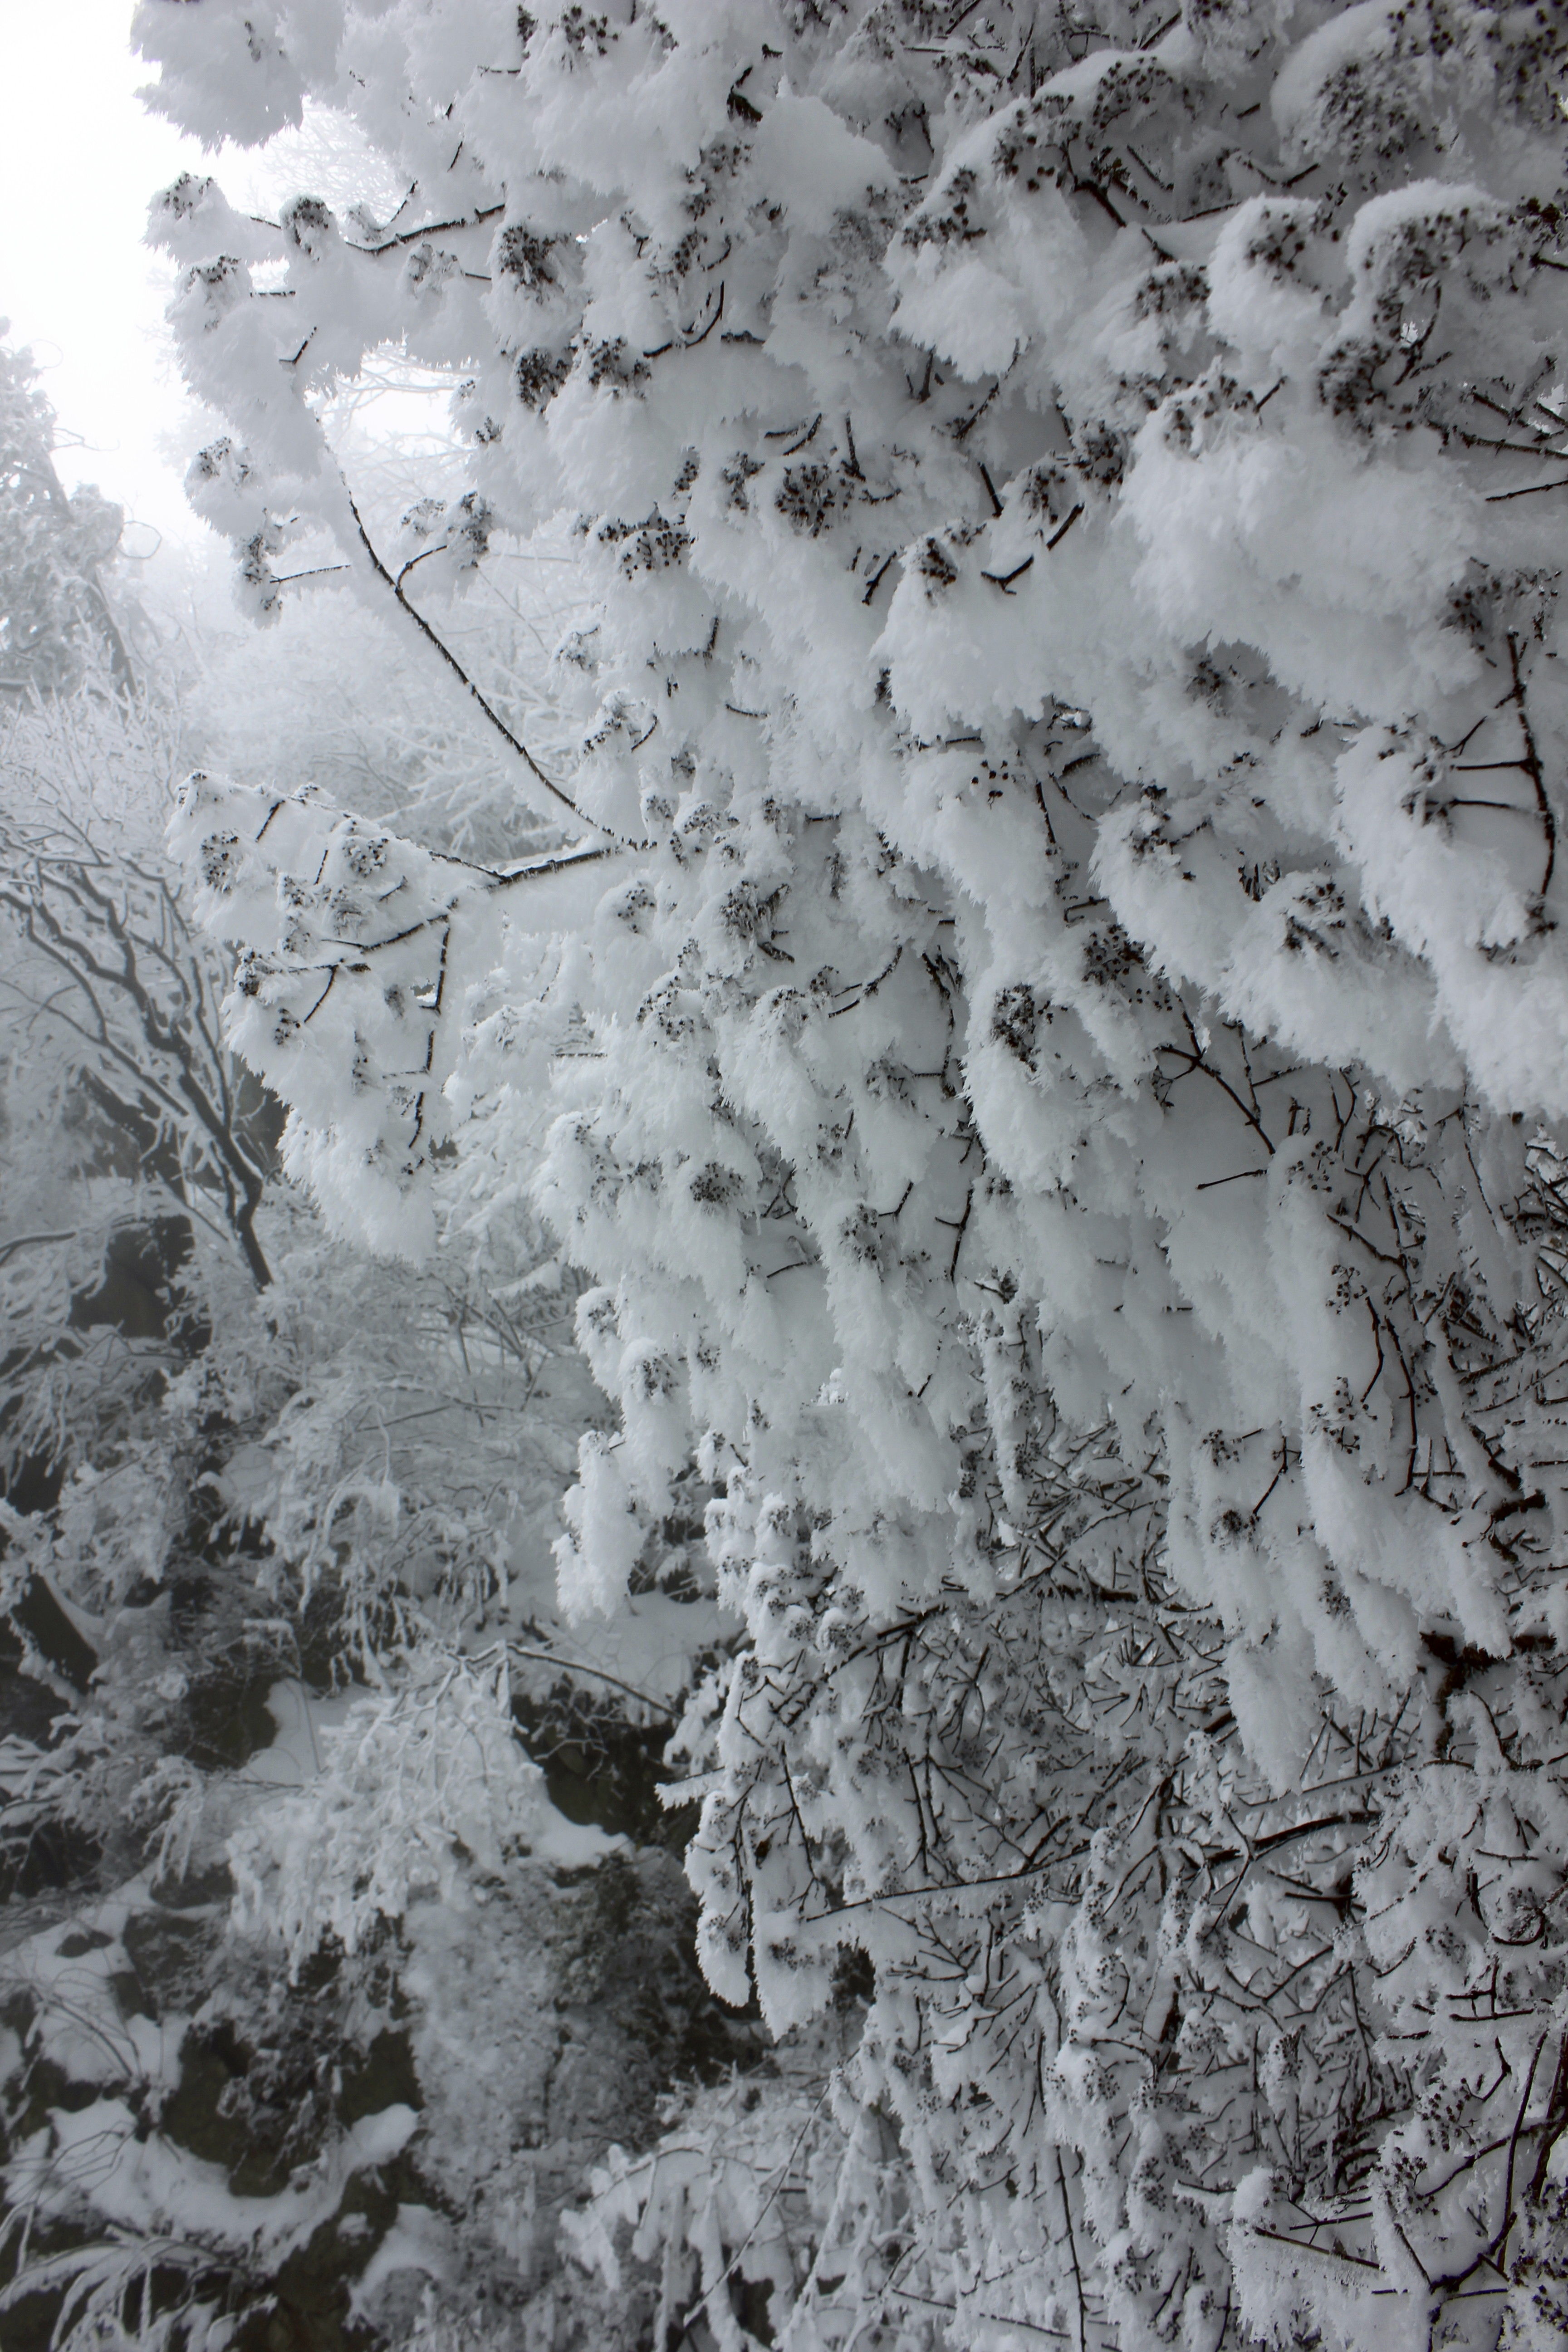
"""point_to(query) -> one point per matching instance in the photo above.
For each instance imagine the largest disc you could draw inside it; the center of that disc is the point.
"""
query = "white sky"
(79, 158)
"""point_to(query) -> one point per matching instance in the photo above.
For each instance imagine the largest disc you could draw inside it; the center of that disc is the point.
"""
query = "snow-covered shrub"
(1053, 1029)
(412, 1777)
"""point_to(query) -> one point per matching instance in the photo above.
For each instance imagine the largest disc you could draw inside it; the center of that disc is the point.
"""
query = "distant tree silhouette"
(55, 614)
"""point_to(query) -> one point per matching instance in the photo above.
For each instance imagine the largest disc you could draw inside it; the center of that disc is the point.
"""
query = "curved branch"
(452, 664)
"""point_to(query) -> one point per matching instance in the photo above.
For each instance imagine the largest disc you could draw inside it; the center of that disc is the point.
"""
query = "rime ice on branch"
(1052, 1089)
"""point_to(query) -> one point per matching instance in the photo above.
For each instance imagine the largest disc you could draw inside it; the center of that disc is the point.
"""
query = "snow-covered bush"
(1052, 1023)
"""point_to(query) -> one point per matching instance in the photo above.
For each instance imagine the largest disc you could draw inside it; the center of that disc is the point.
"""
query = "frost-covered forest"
(809, 1117)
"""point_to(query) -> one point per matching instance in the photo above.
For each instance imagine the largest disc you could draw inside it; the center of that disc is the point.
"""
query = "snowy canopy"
(1047, 1046)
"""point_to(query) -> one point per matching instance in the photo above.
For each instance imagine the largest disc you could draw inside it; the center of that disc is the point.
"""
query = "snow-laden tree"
(55, 614)
(1051, 1016)
(112, 997)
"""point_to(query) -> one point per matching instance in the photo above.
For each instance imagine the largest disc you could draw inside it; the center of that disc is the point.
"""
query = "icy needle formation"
(1050, 1036)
